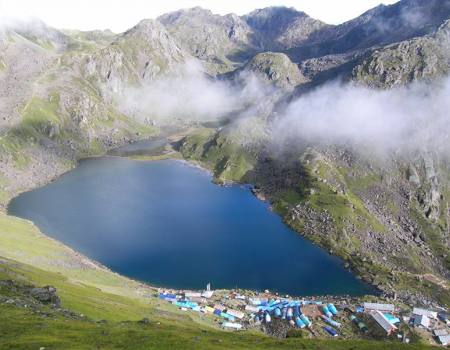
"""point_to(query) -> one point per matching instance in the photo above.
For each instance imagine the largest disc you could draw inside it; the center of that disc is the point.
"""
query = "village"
(315, 317)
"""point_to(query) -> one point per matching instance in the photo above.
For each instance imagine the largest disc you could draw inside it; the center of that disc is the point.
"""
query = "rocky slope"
(281, 28)
(275, 68)
(138, 55)
(219, 40)
(380, 26)
(426, 57)
(225, 42)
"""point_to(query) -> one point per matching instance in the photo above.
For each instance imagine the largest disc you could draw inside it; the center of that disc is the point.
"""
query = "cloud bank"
(190, 95)
(402, 119)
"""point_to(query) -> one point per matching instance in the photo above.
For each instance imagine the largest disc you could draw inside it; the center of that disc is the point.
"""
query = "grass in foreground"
(20, 329)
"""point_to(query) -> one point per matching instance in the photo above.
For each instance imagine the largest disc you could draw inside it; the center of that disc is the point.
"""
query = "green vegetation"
(333, 192)
(81, 284)
(12, 144)
(42, 42)
(4, 197)
(228, 160)
(434, 235)
(40, 117)
(2, 65)
(21, 329)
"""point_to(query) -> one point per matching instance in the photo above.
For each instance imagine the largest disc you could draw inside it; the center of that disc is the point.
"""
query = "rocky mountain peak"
(140, 54)
(282, 27)
(150, 36)
(172, 17)
(146, 27)
(263, 17)
(218, 40)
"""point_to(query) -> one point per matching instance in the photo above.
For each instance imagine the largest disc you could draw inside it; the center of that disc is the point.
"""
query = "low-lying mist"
(404, 119)
(416, 117)
(191, 95)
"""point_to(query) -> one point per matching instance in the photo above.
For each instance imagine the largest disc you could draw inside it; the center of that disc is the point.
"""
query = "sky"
(119, 15)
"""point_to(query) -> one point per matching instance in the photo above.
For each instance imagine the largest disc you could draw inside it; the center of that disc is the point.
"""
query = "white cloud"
(191, 96)
(119, 15)
(405, 119)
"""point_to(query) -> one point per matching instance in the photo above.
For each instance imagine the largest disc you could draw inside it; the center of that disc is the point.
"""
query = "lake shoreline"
(209, 174)
(175, 155)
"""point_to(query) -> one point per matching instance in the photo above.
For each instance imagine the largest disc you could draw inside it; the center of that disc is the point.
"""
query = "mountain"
(58, 96)
(377, 27)
(228, 41)
(342, 197)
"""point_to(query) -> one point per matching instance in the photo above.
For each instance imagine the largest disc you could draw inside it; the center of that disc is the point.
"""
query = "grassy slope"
(80, 283)
(23, 330)
(228, 161)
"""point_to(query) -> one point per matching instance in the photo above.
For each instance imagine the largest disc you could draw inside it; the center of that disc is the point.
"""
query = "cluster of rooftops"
(236, 311)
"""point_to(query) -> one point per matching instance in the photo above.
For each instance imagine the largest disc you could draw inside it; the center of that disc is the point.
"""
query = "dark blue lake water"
(166, 223)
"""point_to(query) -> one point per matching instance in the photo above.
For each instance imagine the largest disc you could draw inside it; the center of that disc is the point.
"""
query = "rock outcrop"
(275, 68)
(281, 28)
(426, 57)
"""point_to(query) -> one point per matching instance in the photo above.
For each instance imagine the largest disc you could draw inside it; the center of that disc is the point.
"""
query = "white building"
(232, 325)
(251, 308)
(378, 307)
(440, 332)
(235, 313)
(428, 313)
(207, 294)
(444, 339)
(421, 321)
